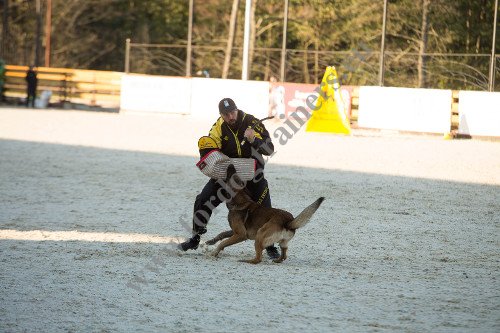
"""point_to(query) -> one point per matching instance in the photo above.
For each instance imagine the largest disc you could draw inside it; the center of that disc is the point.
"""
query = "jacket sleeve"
(216, 132)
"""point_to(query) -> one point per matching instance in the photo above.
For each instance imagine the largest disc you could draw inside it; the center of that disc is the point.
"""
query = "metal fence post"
(127, 55)
(493, 58)
(382, 48)
(246, 41)
(189, 39)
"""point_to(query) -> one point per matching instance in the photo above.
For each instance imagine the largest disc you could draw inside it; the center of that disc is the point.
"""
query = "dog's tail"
(304, 217)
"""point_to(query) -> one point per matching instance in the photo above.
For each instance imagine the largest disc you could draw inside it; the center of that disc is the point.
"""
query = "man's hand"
(249, 135)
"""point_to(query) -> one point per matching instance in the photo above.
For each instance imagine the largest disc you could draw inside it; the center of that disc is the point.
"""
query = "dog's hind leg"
(284, 247)
(265, 236)
(234, 239)
(258, 253)
(283, 255)
(219, 237)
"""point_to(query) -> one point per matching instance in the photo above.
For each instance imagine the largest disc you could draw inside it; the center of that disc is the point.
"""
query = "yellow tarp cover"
(329, 115)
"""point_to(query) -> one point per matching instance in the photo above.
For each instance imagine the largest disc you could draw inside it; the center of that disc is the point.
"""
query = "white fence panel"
(249, 96)
(405, 109)
(146, 93)
(479, 113)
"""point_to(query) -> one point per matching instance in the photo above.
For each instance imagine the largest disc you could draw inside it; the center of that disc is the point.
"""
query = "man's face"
(230, 118)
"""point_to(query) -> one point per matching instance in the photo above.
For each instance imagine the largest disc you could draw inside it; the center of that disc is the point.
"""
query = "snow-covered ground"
(93, 205)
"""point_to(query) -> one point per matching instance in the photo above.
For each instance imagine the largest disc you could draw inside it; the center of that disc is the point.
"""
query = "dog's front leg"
(234, 239)
(252, 261)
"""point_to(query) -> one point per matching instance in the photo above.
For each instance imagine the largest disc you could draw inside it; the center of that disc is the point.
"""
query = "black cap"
(227, 105)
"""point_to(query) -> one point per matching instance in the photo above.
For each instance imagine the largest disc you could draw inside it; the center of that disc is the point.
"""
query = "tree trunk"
(230, 39)
(480, 23)
(267, 68)
(422, 61)
(5, 28)
(468, 33)
(316, 61)
(38, 43)
(305, 65)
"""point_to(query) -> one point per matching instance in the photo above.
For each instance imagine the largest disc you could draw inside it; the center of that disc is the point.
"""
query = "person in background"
(276, 99)
(32, 82)
(2, 79)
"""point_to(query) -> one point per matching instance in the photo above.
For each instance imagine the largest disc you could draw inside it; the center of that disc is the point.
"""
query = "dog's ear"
(230, 172)
(233, 179)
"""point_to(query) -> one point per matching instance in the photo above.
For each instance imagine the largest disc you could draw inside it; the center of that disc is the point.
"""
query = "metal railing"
(355, 67)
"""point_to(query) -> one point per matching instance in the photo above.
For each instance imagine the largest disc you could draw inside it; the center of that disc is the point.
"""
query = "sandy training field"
(93, 205)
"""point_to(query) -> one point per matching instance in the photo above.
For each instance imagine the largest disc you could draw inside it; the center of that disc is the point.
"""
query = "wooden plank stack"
(68, 86)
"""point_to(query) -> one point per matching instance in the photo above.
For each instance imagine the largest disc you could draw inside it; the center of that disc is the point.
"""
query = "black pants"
(214, 193)
(31, 96)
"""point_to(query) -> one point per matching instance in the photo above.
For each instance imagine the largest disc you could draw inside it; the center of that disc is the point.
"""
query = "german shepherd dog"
(267, 226)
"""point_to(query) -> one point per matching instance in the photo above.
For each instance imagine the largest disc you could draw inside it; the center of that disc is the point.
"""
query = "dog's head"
(239, 199)
(232, 178)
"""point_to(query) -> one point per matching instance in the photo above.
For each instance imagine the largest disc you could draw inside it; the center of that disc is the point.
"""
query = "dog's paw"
(252, 261)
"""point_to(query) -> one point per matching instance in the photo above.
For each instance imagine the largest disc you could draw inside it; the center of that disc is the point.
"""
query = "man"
(228, 135)
(32, 82)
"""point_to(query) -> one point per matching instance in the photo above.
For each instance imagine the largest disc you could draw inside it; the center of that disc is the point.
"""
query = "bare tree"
(5, 27)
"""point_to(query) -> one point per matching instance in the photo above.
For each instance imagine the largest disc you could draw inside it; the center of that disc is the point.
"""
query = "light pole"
(127, 55)
(382, 48)
(283, 43)
(246, 41)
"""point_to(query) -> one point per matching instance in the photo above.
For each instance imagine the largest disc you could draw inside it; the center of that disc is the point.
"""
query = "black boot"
(272, 252)
(190, 244)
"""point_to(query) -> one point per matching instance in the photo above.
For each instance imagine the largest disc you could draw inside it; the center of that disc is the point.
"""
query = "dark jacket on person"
(32, 80)
(229, 140)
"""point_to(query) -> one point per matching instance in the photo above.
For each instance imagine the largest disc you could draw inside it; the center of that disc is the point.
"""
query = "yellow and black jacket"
(228, 140)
